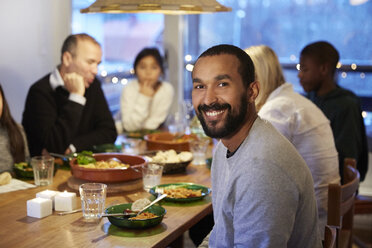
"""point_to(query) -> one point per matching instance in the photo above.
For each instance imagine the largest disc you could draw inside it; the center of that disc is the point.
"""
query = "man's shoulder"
(43, 84)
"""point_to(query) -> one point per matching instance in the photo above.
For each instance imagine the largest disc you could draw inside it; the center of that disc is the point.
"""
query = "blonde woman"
(300, 121)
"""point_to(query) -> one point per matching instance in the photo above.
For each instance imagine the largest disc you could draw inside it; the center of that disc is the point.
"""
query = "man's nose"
(94, 69)
(210, 97)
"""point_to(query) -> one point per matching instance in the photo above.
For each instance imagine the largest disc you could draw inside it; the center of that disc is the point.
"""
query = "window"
(287, 26)
(121, 36)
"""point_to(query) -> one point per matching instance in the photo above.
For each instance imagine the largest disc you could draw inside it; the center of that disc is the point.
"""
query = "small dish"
(160, 188)
(122, 221)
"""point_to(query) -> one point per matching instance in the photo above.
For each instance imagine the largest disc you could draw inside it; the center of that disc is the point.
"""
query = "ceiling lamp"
(170, 7)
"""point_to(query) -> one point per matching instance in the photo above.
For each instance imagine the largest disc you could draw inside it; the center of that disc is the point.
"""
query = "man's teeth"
(214, 113)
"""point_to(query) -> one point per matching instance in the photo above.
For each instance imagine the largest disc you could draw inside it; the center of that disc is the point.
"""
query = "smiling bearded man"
(262, 189)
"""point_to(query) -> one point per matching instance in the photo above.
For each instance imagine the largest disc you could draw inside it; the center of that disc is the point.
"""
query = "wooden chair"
(341, 206)
(330, 237)
(363, 204)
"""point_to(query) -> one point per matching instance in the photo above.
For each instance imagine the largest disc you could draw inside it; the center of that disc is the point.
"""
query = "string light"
(103, 73)
(343, 74)
(353, 66)
(189, 67)
(188, 58)
(114, 80)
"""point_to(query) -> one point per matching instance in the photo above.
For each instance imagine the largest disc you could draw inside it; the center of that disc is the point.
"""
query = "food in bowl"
(122, 221)
(170, 156)
(85, 159)
(144, 216)
(108, 164)
(181, 192)
(110, 175)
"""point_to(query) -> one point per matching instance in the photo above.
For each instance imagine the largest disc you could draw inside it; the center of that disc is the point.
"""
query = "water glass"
(151, 175)
(93, 196)
(131, 146)
(199, 148)
(43, 167)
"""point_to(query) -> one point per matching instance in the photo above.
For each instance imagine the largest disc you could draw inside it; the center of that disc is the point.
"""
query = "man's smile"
(214, 113)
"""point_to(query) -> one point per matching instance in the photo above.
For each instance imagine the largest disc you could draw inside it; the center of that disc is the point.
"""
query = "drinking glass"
(43, 167)
(151, 175)
(199, 148)
(93, 196)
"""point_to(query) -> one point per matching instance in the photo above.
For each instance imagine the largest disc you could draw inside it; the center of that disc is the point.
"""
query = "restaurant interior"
(32, 33)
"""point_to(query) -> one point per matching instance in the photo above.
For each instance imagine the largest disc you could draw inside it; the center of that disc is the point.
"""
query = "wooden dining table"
(72, 230)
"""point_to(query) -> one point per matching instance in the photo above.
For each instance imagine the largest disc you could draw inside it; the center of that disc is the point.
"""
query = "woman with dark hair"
(145, 102)
(13, 143)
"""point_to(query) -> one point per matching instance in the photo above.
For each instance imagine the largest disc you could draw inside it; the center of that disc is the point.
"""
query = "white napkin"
(15, 185)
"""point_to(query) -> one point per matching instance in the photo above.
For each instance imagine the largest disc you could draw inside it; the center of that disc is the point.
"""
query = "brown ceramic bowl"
(167, 141)
(110, 175)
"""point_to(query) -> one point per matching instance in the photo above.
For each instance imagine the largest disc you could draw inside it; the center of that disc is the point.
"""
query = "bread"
(5, 178)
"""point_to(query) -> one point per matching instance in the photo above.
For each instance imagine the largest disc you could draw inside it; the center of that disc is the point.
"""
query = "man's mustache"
(214, 106)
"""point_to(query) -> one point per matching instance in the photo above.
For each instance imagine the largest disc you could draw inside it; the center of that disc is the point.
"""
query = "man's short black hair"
(323, 52)
(246, 68)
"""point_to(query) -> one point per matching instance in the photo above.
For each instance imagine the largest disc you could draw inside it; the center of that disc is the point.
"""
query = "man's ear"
(66, 59)
(324, 69)
(253, 90)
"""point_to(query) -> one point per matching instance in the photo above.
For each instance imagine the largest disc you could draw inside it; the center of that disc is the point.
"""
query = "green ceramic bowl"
(158, 189)
(121, 221)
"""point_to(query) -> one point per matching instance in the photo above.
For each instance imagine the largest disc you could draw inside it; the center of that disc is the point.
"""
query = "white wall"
(32, 33)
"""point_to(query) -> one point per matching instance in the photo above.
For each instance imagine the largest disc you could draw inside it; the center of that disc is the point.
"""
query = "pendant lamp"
(170, 7)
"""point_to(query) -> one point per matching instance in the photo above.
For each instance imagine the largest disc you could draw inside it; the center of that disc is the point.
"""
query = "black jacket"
(342, 107)
(53, 122)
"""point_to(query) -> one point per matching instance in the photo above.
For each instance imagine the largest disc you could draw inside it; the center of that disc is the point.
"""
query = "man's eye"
(222, 84)
(198, 86)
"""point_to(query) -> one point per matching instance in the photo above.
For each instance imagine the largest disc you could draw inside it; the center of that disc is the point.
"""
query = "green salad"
(85, 157)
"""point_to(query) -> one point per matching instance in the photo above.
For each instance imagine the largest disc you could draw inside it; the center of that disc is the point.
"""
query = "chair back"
(330, 237)
(341, 206)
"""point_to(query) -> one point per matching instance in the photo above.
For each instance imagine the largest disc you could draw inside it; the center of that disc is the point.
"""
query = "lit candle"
(39, 207)
(47, 194)
(65, 201)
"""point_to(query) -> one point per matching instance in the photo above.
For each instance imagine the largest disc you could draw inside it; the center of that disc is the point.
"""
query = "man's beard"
(232, 122)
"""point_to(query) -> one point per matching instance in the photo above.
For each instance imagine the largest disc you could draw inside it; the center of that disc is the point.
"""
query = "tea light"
(65, 201)
(39, 207)
(47, 194)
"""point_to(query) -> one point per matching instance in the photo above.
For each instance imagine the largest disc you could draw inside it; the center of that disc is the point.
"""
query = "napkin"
(15, 185)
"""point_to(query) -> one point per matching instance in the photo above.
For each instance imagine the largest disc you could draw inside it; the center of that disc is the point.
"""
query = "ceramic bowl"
(110, 175)
(121, 221)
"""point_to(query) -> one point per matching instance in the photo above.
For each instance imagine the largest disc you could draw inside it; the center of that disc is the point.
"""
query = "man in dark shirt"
(318, 63)
(66, 111)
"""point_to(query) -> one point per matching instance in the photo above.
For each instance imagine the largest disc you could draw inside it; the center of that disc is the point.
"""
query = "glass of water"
(151, 175)
(93, 196)
(43, 167)
(199, 148)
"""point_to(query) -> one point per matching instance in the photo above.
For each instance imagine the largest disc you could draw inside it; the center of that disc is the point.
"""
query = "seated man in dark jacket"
(66, 111)
(318, 63)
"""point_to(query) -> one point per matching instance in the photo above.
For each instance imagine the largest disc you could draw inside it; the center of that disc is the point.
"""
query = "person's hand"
(68, 151)
(74, 83)
(147, 88)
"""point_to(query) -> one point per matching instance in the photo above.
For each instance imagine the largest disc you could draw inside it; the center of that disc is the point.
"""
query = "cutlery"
(161, 197)
(70, 212)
